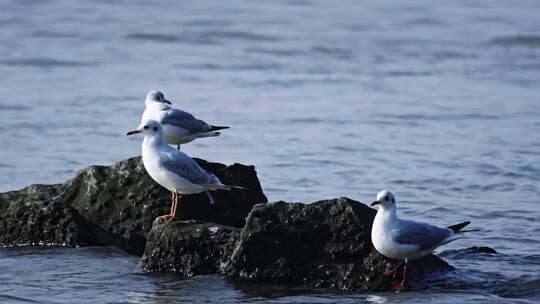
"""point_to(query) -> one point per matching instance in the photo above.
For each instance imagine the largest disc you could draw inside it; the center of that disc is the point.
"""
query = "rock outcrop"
(116, 205)
(325, 244)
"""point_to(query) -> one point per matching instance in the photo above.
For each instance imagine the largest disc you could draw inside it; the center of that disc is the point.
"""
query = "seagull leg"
(392, 273)
(178, 147)
(176, 199)
(401, 286)
(170, 216)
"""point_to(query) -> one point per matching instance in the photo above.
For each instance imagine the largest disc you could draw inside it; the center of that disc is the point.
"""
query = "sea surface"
(438, 101)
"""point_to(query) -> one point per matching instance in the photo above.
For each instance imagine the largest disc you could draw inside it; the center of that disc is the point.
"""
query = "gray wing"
(181, 164)
(185, 121)
(424, 235)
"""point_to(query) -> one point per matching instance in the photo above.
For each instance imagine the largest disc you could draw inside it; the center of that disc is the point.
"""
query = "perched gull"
(179, 127)
(406, 240)
(173, 169)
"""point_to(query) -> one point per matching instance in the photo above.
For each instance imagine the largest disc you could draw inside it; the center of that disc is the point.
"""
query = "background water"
(437, 101)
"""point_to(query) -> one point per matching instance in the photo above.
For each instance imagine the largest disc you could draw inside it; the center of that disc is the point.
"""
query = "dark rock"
(481, 249)
(326, 244)
(188, 247)
(30, 216)
(116, 205)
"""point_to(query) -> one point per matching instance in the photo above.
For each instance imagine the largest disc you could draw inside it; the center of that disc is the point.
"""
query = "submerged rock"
(116, 205)
(481, 249)
(326, 244)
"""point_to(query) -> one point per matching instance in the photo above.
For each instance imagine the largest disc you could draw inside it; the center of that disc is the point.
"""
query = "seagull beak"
(166, 101)
(375, 203)
(133, 132)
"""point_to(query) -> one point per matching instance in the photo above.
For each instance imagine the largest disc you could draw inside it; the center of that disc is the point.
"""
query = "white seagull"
(173, 169)
(404, 239)
(179, 127)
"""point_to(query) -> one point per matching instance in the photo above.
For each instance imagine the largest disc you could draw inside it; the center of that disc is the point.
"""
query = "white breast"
(173, 182)
(382, 238)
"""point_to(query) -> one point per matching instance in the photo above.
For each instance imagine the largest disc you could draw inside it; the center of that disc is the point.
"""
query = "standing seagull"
(173, 169)
(406, 240)
(179, 127)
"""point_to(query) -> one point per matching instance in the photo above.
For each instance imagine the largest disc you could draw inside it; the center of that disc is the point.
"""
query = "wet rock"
(481, 249)
(188, 247)
(326, 244)
(30, 216)
(116, 205)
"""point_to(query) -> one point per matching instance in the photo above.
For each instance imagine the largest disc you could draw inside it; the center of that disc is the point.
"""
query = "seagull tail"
(457, 227)
(225, 187)
(210, 198)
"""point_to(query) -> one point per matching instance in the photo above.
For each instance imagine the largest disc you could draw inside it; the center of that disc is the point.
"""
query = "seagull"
(172, 168)
(179, 127)
(404, 239)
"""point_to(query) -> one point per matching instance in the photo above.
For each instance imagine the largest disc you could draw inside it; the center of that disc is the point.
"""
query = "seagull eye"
(155, 129)
(145, 127)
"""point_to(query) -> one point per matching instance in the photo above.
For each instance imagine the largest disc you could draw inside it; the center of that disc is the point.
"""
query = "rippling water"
(438, 102)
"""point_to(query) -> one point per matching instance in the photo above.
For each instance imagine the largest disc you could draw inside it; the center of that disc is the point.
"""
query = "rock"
(326, 244)
(116, 205)
(481, 249)
(31, 217)
(188, 247)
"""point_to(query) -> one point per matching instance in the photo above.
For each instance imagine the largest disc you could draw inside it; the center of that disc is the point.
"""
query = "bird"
(180, 127)
(173, 169)
(406, 240)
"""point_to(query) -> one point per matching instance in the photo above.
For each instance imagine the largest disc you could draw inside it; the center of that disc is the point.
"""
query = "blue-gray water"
(437, 101)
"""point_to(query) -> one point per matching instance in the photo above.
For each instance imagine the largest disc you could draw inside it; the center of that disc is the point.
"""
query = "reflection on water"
(435, 101)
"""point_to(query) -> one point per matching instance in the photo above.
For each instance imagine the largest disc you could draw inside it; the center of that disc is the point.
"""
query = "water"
(438, 102)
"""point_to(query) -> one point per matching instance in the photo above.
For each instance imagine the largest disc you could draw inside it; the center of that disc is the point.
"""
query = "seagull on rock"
(404, 239)
(172, 168)
(179, 127)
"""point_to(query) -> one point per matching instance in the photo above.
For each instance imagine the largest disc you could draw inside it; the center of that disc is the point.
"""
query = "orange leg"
(392, 273)
(169, 217)
(174, 206)
(401, 286)
(172, 202)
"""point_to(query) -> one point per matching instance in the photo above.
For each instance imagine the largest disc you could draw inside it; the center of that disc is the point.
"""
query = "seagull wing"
(181, 164)
(423, 235)
(185, 120)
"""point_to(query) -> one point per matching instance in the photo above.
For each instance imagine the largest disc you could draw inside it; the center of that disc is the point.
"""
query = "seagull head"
(148, 128)
(385, 199)
(155, 96)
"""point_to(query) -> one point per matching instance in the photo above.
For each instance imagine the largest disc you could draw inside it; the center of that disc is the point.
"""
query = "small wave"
(154, 37)
(408, 73)
(236, 35)
(518, 40)
(43, 62)
(15, 299)
(13, 107)
(523, 288)
(209, 22)
(52, 34)
(336, 52)
(277, 52)
(425, 21)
